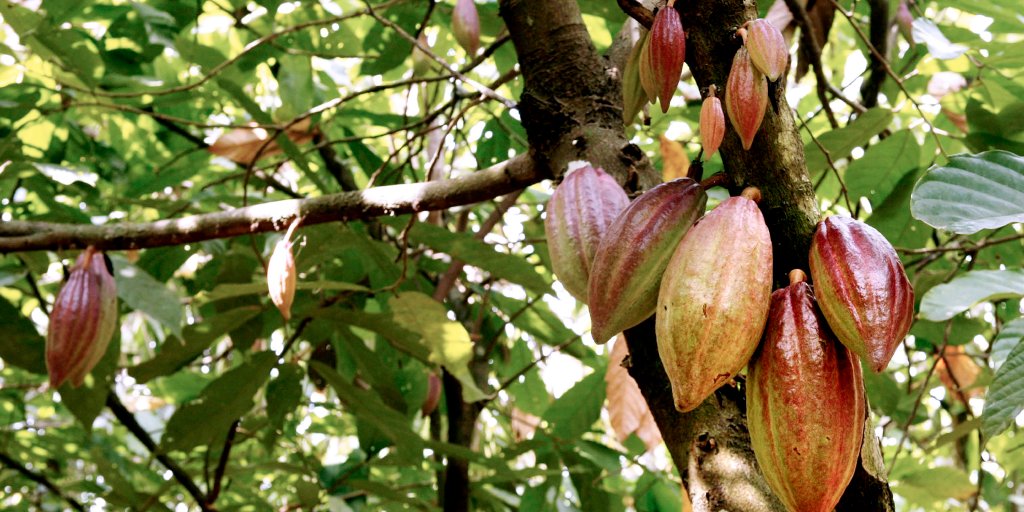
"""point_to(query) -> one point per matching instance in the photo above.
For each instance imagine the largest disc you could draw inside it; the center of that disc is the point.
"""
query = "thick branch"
(509, 176)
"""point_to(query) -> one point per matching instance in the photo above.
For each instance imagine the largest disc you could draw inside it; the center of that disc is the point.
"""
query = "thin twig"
(128, 420)
(40, 479)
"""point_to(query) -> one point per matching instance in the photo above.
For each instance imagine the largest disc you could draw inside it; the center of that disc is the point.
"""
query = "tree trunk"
(570, 92)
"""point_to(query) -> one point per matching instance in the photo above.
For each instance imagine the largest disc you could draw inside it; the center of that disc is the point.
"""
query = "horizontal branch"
(511, 175)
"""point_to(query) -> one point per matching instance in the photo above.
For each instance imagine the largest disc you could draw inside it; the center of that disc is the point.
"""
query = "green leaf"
(174, 353)
(839, 143)
(479, 254)
(228, 290)
(284, 394)
(402, 339)
(221, 403)
(366, 404)
(87, 402)
(928, 485)
(143, 293)
(877, 173)
(447, 340)
(575, 412)
(1011, 333)
(1005, 399)
(971, 193)
(947, 300)
(22, 345)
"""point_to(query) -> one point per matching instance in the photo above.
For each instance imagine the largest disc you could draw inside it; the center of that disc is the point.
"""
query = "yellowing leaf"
(627, 409)
(675, 163)
(447, 340)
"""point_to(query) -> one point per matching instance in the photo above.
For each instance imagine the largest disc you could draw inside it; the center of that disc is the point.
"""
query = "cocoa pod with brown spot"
(713, 299)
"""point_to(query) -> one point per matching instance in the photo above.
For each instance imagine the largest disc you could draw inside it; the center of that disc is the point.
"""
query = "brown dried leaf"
(524, 424)
(675, 163)
(242, 145)
(627, 408)
(958, 372)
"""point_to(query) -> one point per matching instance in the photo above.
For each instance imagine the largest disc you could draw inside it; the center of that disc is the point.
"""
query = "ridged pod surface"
(767, 48)
(712, 123)
(667, 49)
(862, 288)
(634, 252)
(82, 321)
(466, 26)
(746, 97)
(805, 404)
(646, 71)
(633, 94)
(579, 212)
(713, 300)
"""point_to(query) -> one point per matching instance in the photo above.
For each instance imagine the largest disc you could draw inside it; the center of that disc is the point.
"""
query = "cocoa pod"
(746, 97)
(713, 299)
(433, 395)
(667, 49)
(767, 48)
(281, 274)
(82, 321)
(634, 252)
(646, 71)
(634, 97)
(862, 289)
(466, 26)
(712, 123)
(805, 404)
(905, 22)
(578, 214)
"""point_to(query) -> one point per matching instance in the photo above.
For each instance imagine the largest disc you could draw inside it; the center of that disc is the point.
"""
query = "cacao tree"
(270, 255)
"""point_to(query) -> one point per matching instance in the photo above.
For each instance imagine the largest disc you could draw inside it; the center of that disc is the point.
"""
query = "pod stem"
(797, 276)
(752, 193)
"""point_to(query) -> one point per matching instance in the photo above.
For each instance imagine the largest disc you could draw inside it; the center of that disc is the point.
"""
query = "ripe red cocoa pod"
(82, 321)
(466, 26)
(746, 97)
(579, 212)
(713, 299)
(805, 404)
(281, 274)
(767, 47)
(861, 288)
(634, 252)
(667, 49)
(712, 123)
(634, 97)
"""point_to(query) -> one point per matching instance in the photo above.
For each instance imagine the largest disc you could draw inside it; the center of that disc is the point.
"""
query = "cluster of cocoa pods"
(708, 278)
(652, 73)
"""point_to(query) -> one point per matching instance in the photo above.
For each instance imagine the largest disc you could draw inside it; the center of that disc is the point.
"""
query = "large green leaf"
(945, 301)
(971, 193)
(1005, 399)
(877, 173)
(479, 254)
(22, 346)
(575, 412)
(447, 340)
(928, 485)
(221, 403)
(839, 143)
(143, 293)
(175, 353)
